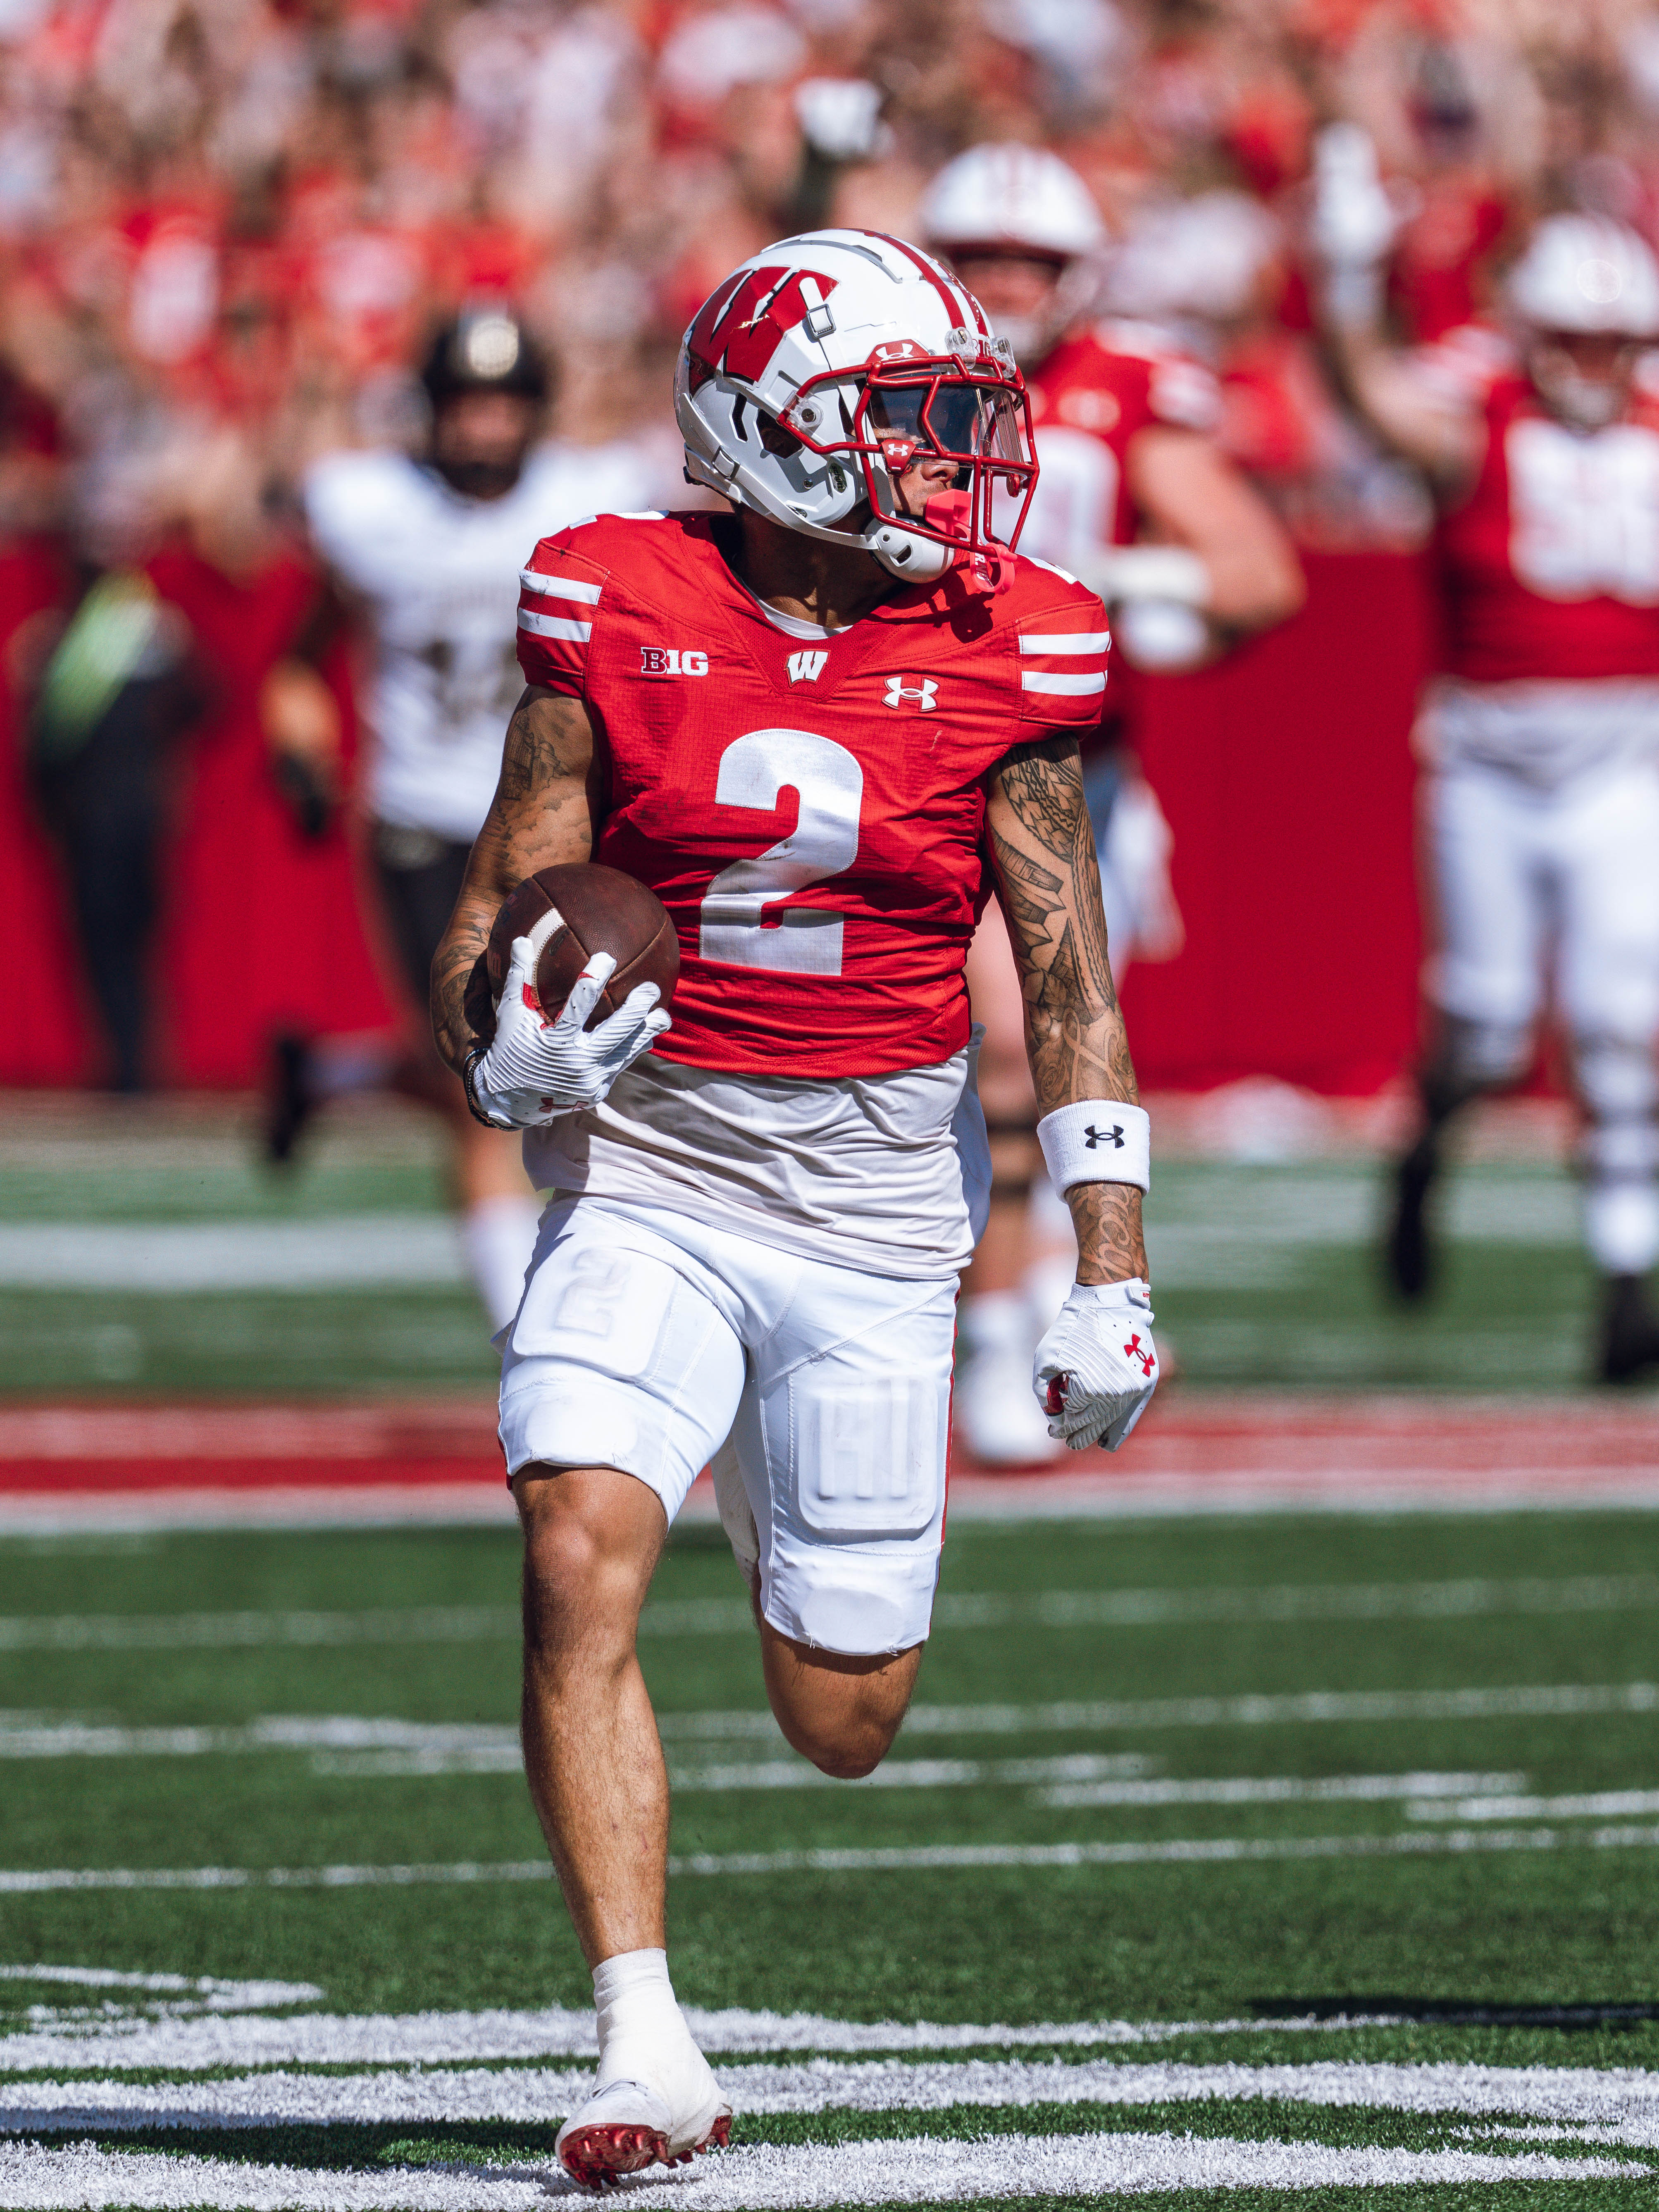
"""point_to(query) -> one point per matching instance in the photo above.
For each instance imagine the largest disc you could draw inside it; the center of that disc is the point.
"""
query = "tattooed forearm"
(543, 812)
(1043, 851)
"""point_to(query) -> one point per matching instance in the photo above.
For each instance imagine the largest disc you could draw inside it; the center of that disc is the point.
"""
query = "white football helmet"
(1020, 199)
(1586, 273)
(819, 372)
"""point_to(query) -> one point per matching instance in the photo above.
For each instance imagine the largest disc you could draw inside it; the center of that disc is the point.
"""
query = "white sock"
(1621, 1226)
(994, 1320)
(638, 2013)
(498, 1236)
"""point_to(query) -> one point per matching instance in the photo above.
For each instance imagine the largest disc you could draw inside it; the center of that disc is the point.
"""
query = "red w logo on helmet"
(742, 324)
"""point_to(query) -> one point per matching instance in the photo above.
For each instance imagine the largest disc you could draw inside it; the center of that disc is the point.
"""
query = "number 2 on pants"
(830, 783)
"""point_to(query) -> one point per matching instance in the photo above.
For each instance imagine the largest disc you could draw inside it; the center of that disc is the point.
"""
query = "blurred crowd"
(229, 228)
(226, 226)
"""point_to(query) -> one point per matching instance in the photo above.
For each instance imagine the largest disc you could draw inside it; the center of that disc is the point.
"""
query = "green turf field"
(1264, 1275)
(1250, 1867)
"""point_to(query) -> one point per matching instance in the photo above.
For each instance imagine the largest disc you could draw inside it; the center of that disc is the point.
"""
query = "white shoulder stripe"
(560, 587)
(1074, 640)
(1077, 686)
(554, 626)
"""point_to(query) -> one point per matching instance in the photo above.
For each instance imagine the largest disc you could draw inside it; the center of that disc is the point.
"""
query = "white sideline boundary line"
(795, 2178)
(897, 1858)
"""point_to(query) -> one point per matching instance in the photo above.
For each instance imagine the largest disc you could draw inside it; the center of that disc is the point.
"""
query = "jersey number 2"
(754, 770)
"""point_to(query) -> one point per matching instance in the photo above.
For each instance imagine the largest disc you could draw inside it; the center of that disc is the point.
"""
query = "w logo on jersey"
(919, 692)
(806, 667)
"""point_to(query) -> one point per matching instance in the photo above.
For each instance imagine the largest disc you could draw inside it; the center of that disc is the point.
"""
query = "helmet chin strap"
(918, 560)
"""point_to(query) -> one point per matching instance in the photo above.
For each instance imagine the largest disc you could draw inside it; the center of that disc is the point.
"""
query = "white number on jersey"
(1584, 512)
(830, 783)
(1074, 510)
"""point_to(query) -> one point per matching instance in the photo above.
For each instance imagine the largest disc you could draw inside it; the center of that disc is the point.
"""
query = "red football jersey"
(811, 814)
(1550, 565)
(1089, 398)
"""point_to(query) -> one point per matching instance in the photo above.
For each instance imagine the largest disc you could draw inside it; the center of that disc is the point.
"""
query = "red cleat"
(597, 2155)
(596, 2152)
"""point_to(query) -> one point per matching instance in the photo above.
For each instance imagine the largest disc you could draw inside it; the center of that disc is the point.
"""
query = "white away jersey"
(439, 576)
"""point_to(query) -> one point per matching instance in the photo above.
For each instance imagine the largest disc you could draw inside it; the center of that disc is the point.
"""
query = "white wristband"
(1150, 572)
(1097, 1140)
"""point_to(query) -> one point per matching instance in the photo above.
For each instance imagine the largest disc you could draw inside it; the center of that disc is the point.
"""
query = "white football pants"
(1540, 886)
(644, 1344)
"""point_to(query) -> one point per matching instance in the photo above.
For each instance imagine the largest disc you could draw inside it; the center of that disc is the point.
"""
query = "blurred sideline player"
(1136, 500)
(823, 728)
(1542, 809)
(426, 551)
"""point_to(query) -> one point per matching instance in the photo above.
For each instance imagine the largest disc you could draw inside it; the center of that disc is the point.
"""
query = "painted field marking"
(217, 1994)
(1596, 1805)
(1423, 1843)
(173, 2044)
(1132, 1609)
(1083, 1716)
(422, 1746)
(1623, 2105)
(342, 1251)
(796, 2178)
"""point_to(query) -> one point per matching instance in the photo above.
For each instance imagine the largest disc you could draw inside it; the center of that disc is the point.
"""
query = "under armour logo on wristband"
(1091, 1136)
(1146, 1356)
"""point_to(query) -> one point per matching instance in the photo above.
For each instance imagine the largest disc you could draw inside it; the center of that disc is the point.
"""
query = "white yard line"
(208, 1988)
(1422, 1843)
(1623, 2104)
(1069, 1717)
(1090, 1716)
(173, 2045)
(793, 2179)
(1596, 1805)
(1132, 1608)
(341, 1251)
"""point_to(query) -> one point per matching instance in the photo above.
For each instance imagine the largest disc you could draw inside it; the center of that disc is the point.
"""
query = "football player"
(427, 549)
(823, 728)
(1542, 734)
(1137, 500)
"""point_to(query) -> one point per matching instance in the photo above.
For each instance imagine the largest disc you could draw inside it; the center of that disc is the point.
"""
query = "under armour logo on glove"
(1091, 1136)
(1143, 1353)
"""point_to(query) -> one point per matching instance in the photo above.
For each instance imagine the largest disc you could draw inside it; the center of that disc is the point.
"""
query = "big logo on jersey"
(741, 327)
(1585, 511)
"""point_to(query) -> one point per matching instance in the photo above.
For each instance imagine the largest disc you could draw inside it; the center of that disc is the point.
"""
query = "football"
(569, 914)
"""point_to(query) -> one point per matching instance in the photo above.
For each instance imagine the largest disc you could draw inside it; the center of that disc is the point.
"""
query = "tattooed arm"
(1042, 853)
(544, 813)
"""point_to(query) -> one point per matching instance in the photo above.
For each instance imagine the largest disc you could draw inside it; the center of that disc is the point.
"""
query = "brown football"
(569, 914)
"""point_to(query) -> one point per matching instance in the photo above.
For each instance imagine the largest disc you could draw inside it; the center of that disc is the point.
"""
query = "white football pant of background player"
(1515, 869)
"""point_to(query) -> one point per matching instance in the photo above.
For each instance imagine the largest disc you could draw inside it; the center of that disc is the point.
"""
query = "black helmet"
(486, 349)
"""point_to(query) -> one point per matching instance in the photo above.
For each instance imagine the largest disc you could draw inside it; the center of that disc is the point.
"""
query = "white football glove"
(1355, 220)
(536, 1070)
(1096, 1369)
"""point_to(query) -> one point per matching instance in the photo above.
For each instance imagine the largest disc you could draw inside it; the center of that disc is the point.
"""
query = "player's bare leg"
(594, 1764)
(840, 1712)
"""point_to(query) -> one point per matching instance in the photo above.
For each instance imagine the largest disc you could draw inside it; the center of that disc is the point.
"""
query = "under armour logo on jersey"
(806, 667)
(668, 660)
(1143, 1353)
(1091, 1136)
(907, 691)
